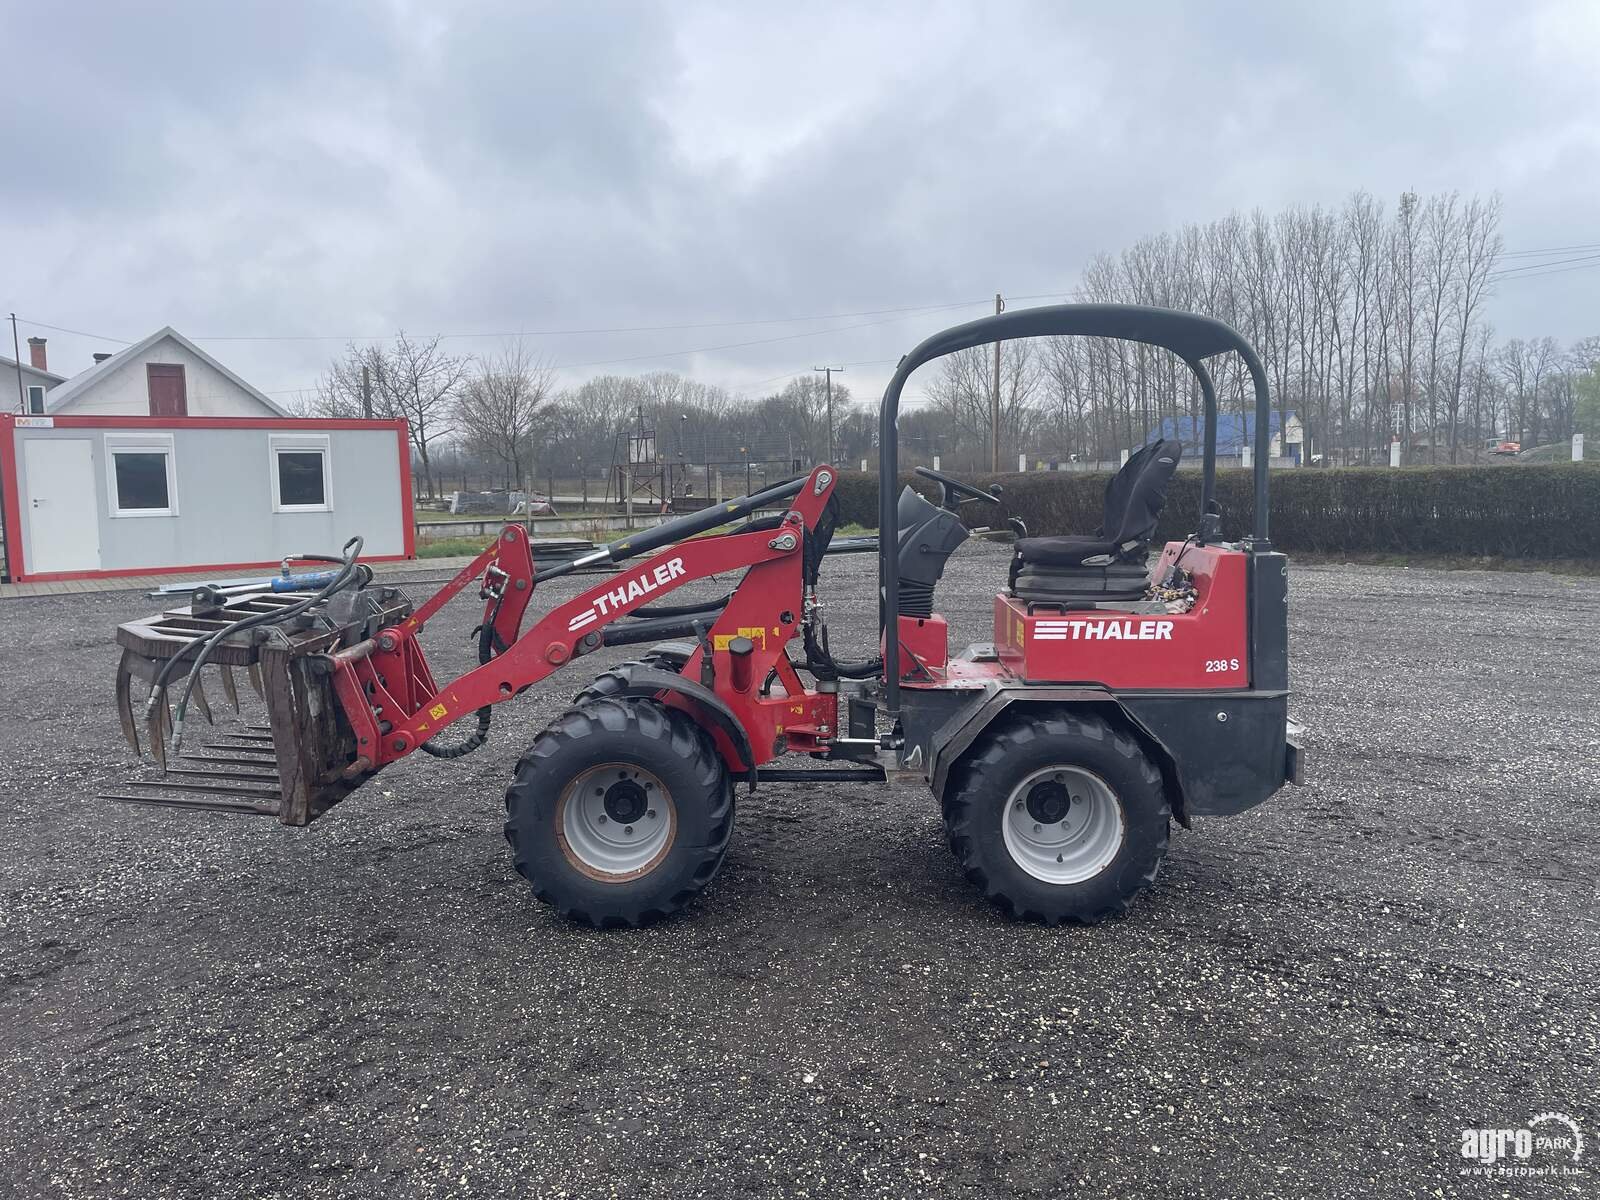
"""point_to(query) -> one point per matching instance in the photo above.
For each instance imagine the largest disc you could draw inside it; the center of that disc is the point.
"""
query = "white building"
(165, 375)
(23, 386)
(160, 459)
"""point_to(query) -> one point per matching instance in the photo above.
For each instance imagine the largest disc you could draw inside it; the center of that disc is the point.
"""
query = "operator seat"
(1110, 565)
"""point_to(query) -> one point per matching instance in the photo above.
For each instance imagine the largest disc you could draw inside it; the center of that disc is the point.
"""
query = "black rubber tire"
(641, 733)
(606, 684)
(980, 785)
(609, 682)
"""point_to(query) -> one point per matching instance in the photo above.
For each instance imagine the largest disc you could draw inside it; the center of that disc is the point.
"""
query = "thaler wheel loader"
(1115, 696)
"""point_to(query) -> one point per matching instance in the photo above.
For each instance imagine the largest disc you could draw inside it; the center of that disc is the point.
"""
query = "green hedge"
(1533, 512)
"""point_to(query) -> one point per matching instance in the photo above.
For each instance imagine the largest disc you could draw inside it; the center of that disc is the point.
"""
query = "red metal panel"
(11, 498)
(925, 640)
(408, 500)
(1205, 648)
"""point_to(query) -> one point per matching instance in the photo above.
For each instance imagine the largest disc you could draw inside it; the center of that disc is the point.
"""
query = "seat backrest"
(1136, 493)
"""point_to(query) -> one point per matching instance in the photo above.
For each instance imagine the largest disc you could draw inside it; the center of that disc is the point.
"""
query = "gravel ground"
(1316, 1000)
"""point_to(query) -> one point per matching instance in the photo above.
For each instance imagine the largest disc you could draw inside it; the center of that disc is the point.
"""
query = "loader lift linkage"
(1114, 697)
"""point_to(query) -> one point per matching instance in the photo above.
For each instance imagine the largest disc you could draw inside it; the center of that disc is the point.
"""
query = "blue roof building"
(1234, 432)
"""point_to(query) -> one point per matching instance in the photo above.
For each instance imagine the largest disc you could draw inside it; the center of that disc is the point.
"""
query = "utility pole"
(366, 391)
(827, 374)
(994, 399)
(16, 351)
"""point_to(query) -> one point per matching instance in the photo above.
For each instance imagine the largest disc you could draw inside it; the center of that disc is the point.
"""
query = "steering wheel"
(950, 488)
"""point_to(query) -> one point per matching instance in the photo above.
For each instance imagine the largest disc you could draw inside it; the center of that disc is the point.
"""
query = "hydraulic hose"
(489, 645)
(681, 610)
(821, 663)
(349, 571)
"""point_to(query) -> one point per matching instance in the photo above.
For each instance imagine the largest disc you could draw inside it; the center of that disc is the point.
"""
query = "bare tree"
(503, 407)
(963, 389)
(1480, 250)
(414, 379)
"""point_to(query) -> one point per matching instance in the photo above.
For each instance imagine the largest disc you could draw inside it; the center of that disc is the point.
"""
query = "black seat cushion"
(1066, 551)
(1058, 585)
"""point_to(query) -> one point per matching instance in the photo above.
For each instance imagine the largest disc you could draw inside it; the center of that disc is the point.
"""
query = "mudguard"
(641, 679)
(1220, 753)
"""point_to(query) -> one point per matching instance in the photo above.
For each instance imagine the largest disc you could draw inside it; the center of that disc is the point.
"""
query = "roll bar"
(1190, 336)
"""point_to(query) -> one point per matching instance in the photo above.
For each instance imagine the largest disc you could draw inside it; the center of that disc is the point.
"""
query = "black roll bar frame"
(1192, 337)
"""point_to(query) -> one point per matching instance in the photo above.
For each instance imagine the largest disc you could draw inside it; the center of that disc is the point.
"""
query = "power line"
(1588, 266)
(1549, 250)
(1539, 266)
(98, 337)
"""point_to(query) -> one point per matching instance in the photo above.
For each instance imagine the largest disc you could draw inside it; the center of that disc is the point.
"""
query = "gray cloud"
(340, 170)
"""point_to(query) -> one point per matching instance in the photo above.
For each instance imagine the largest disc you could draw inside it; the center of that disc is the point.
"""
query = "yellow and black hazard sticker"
(756, 633)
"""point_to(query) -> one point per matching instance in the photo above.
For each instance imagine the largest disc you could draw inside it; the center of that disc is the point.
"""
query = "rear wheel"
(1058, 817)
(620, 812)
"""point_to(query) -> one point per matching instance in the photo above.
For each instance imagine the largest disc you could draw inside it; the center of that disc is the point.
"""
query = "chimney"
(36, 353)
(100, 357)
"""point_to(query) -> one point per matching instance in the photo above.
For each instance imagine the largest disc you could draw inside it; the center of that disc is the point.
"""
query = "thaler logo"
(1062, 630)
(624, 594)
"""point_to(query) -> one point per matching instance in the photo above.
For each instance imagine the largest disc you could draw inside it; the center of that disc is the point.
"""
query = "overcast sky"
(283, 169)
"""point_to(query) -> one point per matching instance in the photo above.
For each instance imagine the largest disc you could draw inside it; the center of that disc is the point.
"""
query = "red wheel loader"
(1114, 697)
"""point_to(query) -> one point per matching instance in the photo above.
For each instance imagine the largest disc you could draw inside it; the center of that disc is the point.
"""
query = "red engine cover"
(1205, 648)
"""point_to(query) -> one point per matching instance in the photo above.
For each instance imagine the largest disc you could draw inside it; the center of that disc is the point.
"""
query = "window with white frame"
(302, 476)
(35, 400)
(142, 476)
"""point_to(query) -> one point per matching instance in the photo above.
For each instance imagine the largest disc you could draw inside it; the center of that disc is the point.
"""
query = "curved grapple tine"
(130, 726)
(199, 697)
(254, 671)
(229, 688)
(155, 728)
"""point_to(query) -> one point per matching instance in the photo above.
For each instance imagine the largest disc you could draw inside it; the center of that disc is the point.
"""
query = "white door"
(63, 515)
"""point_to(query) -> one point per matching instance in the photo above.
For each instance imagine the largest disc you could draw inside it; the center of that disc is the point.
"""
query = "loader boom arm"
(393, 705)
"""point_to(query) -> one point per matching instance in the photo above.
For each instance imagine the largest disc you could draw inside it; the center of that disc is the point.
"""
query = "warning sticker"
(756, 633)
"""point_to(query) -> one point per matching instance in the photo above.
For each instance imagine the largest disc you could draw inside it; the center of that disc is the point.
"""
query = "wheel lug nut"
(1036, 828)
(602, 818)
(651, 814)
(627, 829)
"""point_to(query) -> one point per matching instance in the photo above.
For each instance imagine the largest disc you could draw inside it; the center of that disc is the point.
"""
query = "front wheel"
(620, 812)
(1058, 817)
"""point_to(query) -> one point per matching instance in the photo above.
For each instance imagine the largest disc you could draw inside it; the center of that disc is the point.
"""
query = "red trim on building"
(131, 422)
(124, 572)
(407, 496)
(11, 499)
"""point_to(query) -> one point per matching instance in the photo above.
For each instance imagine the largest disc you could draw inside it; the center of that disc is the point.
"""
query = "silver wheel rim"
(616, 822)
(1087, 830)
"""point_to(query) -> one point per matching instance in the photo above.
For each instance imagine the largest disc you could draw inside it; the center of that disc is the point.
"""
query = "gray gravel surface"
(1315, 1000)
